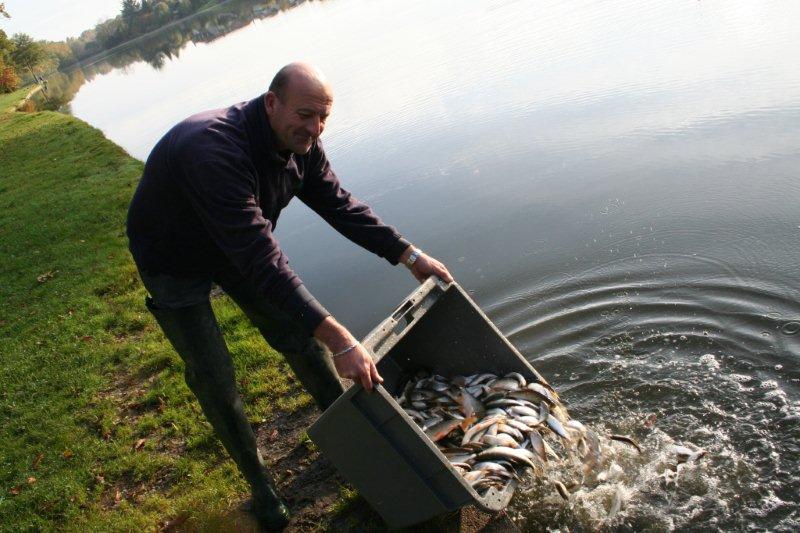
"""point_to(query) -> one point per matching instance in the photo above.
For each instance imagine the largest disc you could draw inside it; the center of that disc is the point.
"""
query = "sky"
(55, 20)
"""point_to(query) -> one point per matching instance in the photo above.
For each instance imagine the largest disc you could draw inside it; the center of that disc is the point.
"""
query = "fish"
(489, 428)
(442, 429)
(521, 381)
(474, 475)
(515, 455)
(537, 444)
(489, 466)
(521, 410)
(556, 426)
(686, 454)
(501, 439)
(530, 395)
(562, 489)
(516, 424)
(510, 430)
(470, 406)
(429, 423)
(481, 378)
(478, 427)
(626, 439)
(616, 502)
(504, 384)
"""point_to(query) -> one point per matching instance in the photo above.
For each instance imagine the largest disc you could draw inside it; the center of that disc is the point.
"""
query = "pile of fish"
(493, 429)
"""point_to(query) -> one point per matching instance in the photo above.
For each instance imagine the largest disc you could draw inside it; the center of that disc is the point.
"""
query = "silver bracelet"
(352, 346)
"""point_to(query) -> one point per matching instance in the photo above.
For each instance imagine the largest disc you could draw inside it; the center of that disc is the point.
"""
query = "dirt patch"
(313, 489)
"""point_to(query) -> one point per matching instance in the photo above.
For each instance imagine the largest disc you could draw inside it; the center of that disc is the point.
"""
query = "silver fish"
(556, 426)
(521, 410)
(519, 425)
(484, 424)
(515, 455)
(429, 423)
(514, 432)
(504, 384)
(521, 381)
(537, 444)
(480, 378)
(501, 439)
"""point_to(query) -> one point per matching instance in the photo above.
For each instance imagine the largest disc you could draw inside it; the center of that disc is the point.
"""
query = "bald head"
(300, 76)
(298, 102)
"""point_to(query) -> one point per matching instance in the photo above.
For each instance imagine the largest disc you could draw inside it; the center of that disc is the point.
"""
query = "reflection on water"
(158, 47)
(615, 183)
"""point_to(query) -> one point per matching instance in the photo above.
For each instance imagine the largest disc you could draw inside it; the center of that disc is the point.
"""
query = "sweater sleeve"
(221, 189)
(352, 218)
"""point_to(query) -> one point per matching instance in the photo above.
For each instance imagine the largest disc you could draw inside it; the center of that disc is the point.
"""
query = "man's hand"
(356, 363)
(426, 266)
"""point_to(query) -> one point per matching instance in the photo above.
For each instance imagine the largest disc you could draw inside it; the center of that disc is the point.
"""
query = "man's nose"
(315, 127)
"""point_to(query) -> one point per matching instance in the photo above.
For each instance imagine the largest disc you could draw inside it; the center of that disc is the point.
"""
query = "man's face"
(299, 118)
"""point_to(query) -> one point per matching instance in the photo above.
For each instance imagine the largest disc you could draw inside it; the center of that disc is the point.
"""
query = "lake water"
(617, 184)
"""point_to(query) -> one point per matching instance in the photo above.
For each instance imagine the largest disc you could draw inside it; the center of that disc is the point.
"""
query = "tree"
(9, 81)
(130, 8)
(161, 11)
(26, 52)
(60, 52)
(6, 46)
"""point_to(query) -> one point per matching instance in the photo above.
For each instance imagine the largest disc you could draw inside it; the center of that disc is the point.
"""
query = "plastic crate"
(376, 446)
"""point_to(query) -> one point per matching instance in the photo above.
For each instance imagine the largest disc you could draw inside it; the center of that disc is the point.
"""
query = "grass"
(97, 428)
(10, 100)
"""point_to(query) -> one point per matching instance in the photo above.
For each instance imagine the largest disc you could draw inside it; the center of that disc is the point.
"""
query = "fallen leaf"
(106, 435)
(100, 479)
(67, 454)
(14, 490)
(117, 497)
(86, 338)
(37, 460)
(273, 435)
(139, 444)
(41, 278)
(31, 480)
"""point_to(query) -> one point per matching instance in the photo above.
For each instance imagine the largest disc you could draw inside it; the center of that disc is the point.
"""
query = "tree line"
(23, 60)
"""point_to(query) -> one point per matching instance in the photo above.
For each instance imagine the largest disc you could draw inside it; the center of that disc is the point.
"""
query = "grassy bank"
(98, 428)
(8, 102)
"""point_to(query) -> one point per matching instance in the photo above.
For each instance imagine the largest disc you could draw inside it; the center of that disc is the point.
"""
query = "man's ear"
(270, 99)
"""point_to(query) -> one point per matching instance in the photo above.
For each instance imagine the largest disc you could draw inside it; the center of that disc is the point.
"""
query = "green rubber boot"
(195, 335)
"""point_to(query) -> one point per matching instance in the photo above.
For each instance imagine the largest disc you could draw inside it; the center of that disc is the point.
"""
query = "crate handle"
(404, 315)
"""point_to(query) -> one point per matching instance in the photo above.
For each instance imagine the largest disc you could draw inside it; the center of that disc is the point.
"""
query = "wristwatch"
(412, 258)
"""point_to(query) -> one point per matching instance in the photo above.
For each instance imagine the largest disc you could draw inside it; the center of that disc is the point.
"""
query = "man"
(204, 212)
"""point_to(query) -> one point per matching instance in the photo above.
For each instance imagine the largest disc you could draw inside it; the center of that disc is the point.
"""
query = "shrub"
(9, 81)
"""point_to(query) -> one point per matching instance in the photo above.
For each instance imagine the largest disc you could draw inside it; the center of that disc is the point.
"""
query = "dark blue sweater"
(210, 197)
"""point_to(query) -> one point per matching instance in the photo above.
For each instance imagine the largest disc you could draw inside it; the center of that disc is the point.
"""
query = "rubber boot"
(195, 335)
(310, 360)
